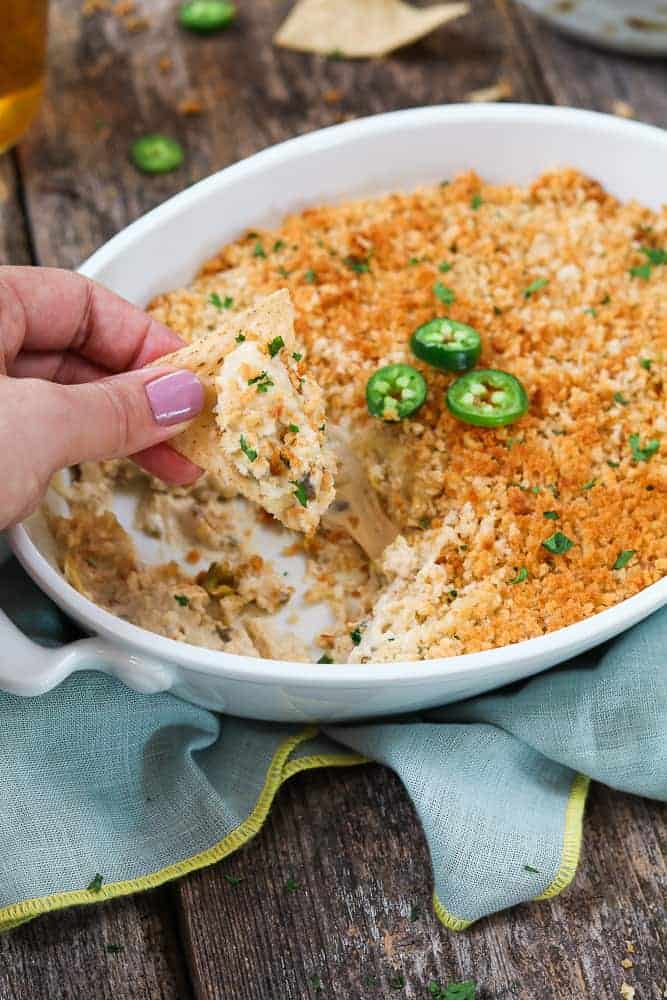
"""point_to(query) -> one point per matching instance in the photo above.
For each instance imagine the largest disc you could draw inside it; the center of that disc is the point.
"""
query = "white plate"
(636, 26)
(504, 143)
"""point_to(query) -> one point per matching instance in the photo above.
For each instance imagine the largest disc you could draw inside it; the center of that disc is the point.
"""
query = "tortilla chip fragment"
(498, 91)
(361, 28)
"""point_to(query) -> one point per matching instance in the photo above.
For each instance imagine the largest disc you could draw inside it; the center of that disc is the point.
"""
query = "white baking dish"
(165, 248)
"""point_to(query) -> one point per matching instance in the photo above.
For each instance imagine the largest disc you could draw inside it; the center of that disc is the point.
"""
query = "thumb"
(121, 415)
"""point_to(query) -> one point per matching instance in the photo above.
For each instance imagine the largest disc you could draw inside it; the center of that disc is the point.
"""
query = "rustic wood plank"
(106, 87)
(586, 77)
(14, 237)
(351, 841)
(125, 950)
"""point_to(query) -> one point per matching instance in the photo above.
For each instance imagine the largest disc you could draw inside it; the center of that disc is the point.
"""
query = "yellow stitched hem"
(277, 773)
(572, 837)
(323, 760)
(574, 815)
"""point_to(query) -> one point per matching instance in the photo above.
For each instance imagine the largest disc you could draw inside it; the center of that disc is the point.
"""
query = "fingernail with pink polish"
(175, 397)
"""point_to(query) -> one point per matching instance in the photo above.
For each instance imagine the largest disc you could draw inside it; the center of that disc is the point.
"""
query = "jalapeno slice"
(206, 15)
(487, 398)
(156, 154)
(395, 392)
(447, 344)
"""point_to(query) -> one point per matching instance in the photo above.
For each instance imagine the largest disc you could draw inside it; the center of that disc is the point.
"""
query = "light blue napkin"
(107, 792)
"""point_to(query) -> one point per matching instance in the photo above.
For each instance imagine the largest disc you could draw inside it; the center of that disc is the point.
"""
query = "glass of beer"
(22, 65)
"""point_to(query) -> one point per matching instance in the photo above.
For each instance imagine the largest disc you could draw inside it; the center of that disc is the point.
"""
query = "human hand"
(64, 341)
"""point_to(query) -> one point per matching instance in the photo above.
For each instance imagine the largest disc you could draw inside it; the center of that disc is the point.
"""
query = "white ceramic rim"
(258, 670)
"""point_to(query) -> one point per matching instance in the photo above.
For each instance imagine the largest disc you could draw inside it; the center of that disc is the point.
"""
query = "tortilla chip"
(361, 28)
(271, 317)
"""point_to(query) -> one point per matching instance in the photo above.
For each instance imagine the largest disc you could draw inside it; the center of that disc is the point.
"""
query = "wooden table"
(350, 837)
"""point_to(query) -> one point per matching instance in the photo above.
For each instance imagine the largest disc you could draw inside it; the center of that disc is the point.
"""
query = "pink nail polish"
(175, 397)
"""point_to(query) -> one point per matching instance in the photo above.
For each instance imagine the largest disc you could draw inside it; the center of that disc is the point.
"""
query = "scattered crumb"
(623, 109)
(135, 24)
(4, 191)
(627, 991)
(165, 64)
(498, 91)
(123, 7)
(627, 963)
(93, 6)
(332, 96)
(630, 947)
(190, 106)
(193, 556)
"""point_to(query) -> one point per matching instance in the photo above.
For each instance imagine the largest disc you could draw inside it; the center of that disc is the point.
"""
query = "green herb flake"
(620, 399)
(233, 880)
(414, 261)
(533, 871)
(240, 337)
(182, 600)
(215, 300)
(278, 245)
(623, 558)
(551, 515)
(249, 452)
(336, 54)
(453, 991)
(612, 465)
(476, 201)
(297, 356)
(558, 543)
(259, 250)
(590, 484)
(397, 982)
(591, 312)
(262, 382)
(642, 271)
(646, 363)
(294, 428)
(640, 454)
(453, 594)
(300, 493)
(535, 286)
(655, 256)
(315, 982)
(415, 914)
(95, 883)
(283, 272)
(606, 300)
(355, 636)
(445, 266)
(497, 311)
(275, 345)
(310, 276)
(114, 949)
(325, 658)
(359, 265)
(445, 294)
(521, 576)
(291, 885)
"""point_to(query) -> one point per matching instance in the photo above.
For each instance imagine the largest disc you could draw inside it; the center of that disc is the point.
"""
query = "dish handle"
(28, 669)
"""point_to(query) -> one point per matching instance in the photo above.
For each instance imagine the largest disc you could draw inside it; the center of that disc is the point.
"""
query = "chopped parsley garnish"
(623, 558)
(275, 345)
(453, 991)
(261, 381)
(95, 883)
(476, 201)
(521, 576)
(215, 300)
(278, 245)
(415, 914)
(551, 515)
(612, 465)
(558, 543)
(534, 871)
(606, 300)
(535, 286)
(642, 454)
(497, 311)
(359, 265)
(249, 452)
(182, 600)
(397, 982)
(294, 428)
(590, 484)
(310, 276)
(325, 658)
(114, 949)
(283, 272)
(641, 271)
(297, 356)
(445, 266)
(655, 256)
(355, 636)
(300, 493)
(445, 294)
(620, 399)
(233, 880)
(646, 363)
(259, 250)
(240, 337)
(291, 885)
(591, 311)
(315, 982)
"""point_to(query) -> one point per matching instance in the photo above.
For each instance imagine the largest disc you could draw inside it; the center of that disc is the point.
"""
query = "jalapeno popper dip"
(497, 357)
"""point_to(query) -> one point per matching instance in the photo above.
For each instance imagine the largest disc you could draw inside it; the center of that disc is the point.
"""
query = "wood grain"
(350, 837)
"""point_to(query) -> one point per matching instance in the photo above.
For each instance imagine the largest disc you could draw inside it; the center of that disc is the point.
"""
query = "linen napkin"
(107, 792)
